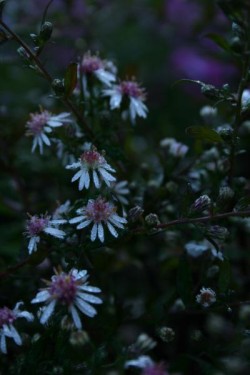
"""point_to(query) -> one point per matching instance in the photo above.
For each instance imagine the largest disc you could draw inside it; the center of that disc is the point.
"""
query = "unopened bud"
(58, 86)
(135, 213)
(236, 44)
(166, 334)
(201, 204)
(226, 133)
(145, 342)
(46, 31)
(217, 232)
(237, 30)
(79, 338)
(208, 113)
(225, 193)
(152, 220)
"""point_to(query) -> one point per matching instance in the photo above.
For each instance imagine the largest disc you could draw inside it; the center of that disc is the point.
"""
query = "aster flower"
(41, 124)
(91, 160)
(70, 290)
(93, 65)
(99, 212)
(120, 190)
(37, 225)
(206, 297)
(174, 148)
(7, 329)
(132, 91)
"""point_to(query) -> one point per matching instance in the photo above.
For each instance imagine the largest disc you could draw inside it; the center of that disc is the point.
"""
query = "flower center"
(131, 88)
(99, 210)
(92, 158)
(91, 64)
(6, 316)
(37, 122)
(36, 225)
(63, 288)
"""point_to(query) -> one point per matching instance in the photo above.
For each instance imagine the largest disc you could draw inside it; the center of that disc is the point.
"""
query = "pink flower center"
(36, 225)
(99, 210)
(63, 288)
(131, 88)
(207, 297)
(92, 158)
(6, 316)
(91, 64)
(38, 122)
(158, 369)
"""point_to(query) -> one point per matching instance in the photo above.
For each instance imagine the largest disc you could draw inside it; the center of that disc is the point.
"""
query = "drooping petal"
(48, 311)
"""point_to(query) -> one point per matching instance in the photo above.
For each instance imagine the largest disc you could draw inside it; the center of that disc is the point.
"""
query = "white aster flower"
(120, 190)
(206, 297)
(41, 124)
(99, 212)
(93, 65)
(135, 94)
(37, 225)
(91, 160)
(174, 148)
(70, 290)
(7, 329)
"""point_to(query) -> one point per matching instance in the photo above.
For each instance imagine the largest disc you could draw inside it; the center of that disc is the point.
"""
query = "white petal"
(75, 317)
(89, 298)
(93, 232)
(115, 100)
(48, 311)
(32, 246)
(84, 224)
(41, 296)
(107, 177)
(89, 288)
(85, 308)
(76, 219)
(15, 335)
(73, 165)
(76, 176)
(112, 230)
(55, 232)
(84, 180)
(96, 180)
(100, 232)
(3, 344)
(25, 314)
(45, 139)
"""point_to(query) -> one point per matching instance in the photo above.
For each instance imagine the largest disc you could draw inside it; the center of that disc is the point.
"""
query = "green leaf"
(204, 134)
(225, 276)
(184, 280)
(70, 79)
(220, 41)
(188, 80)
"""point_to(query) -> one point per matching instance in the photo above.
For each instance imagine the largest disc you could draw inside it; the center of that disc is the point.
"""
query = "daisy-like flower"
(99, 212)
(206, 297)
(7, 329)
(92, 64)
(176, 149)
(120, 190)
(70, 290)
(37, 225)
(132, 91)
(41, 124)
(91, 160)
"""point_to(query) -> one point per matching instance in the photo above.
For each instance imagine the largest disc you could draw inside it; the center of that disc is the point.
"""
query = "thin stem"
(48, 77)
(201, 219)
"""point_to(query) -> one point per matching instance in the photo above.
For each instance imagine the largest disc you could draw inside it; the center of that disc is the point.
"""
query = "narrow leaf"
(184, 280)
(70, 79)
(225, 276)
(220, 41)
(204, 134)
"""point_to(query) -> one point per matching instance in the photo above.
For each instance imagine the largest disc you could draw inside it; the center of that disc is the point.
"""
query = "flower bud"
(79, 338)
(206, 297)
(236, 44)
(226, 133)
(145, 342)
(208, 113)
(201, 204)
(217, 232)
(167, 334)
(135, 213)
(225, 193)
(58, 86)
(152, 220)
(46, 31)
